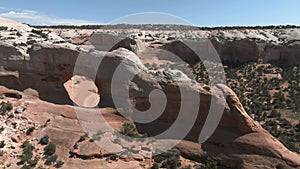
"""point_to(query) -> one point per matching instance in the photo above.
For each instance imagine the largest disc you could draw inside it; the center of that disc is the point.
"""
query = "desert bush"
(2, 144)
(113, 157)
(297, 127)
(82, 138)
(187, 167)
(271, 123)
(27, 152)
(50, 149)
(33, 163)
(75, 146)
(30, 130)
(3, 28)
(167, 160)
(155, 166)
(44, 140)
(2, 153)
(51, 160)
(130, 130)
(59, 164)
(274, 113)
(26, 167)
(211, 163)
(288, 144)
(39, 32)
(5, 107)
(18, 34)
(284, 123)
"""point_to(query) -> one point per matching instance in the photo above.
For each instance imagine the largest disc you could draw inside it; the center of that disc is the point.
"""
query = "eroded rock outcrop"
(238, 141)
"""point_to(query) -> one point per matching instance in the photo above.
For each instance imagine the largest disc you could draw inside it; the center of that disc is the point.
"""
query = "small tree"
(4, 107)
(44, 140)
(2, 144)
(30, 130)
(59, 164)
(211, 163)
(50, 149)
(27, 152)
(82, 138)
(51, 160)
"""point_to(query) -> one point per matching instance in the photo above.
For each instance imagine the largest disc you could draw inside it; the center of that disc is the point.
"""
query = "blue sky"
(197, 12)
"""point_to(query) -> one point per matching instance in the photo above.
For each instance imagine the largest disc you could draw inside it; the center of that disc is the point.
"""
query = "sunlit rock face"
(53, 91)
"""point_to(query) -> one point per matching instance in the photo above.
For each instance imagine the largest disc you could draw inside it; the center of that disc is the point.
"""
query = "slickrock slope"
(46, 64)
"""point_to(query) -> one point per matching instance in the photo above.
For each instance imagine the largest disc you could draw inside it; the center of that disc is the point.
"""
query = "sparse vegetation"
(2, 144)
(18, 34)
(130, 130)
(75, 146)
(50, 149)
(211, 163)
(39, 32)
(2, 153)
(27, 152)
(33, 163)
(59, 164)
(44, 140)
(113, 157)
(167, 160)
(51, 160)
(269, 93)
(5, 107)
(84, 137)
(30, 130)
(3, 28)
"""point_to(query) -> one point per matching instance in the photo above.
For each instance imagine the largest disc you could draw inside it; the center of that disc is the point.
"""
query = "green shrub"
(211, 163)
(34, 162)
(2, 144)
(18, 34)
(288, 144)
(30, 130)
(27, 152)
(155, 166)
(285, 123)
(39, 32)
(59, 164)
(2, 153)
(187, 167)
(50, 149)
(44, 140)
(26, 167)
(75, 146)
(113, 157)
(297, 127)
(3, 28)
(5, 107)
(84, 137)
(274, 113)
(130, 130)
(51, 160)
(168, 160)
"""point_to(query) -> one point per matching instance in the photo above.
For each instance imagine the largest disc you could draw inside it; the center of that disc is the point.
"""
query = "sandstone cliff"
(239, 141)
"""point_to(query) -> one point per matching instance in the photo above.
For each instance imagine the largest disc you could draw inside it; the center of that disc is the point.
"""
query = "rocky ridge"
(49, 62)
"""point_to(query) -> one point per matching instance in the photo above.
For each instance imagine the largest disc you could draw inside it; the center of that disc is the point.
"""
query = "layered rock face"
(238, 141)
(278, 45)
(236, 134)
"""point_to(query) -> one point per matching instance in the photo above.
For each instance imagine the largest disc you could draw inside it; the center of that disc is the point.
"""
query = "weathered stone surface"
(238, 140)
